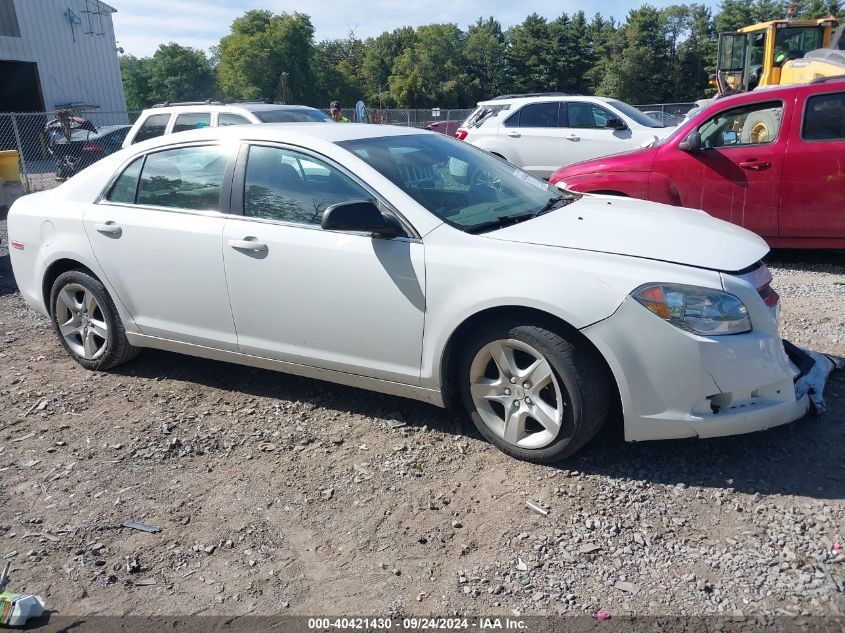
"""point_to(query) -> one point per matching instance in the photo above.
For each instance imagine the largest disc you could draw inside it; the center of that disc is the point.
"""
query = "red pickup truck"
(771, 160)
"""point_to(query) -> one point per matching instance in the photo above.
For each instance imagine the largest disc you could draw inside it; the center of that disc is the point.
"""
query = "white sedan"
(410, 263)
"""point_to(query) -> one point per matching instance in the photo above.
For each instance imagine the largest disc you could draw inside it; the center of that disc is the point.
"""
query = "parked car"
(85, 148)
(407, 262)
(666, 119)
(541, 132)
(178, 117)
(770, 160)
(444, 127)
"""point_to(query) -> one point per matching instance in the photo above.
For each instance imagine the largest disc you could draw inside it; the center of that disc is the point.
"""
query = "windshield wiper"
(500, 222)
(551, 204)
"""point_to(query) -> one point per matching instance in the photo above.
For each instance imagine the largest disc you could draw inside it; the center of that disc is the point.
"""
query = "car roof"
(216, 106)
(539, 98)
(298, 133)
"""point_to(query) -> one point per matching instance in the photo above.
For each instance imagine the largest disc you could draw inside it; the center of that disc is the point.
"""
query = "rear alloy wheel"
(86, 322)
(531, 392)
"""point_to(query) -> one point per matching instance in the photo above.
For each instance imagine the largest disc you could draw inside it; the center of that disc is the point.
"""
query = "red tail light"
(461, 134)
(94, 149)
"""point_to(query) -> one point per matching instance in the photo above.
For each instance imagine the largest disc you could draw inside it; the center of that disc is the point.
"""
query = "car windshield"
(631, 112)
(286, 115)
(460, 184)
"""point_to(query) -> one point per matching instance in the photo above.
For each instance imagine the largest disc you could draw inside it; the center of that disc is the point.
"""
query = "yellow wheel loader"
(779, 52)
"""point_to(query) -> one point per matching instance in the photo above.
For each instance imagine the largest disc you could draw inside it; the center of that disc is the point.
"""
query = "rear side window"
(192, 121)
(824, 118)
(535, 115)
(151, 128)
(225, 118)
(184, 178)
(124, 188)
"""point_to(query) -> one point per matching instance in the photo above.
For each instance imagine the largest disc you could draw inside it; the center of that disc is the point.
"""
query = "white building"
(58, 53)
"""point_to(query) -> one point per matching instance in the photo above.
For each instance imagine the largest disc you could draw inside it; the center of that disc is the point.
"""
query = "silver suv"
(167, 118)
(542, 132)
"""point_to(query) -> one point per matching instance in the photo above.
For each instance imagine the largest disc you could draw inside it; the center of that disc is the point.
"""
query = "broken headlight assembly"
(702, 311)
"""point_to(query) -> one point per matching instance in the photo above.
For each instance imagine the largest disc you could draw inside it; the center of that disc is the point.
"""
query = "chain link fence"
(45, 157)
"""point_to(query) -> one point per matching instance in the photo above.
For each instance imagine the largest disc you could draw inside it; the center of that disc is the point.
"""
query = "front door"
(534, 138)
(342, 301)
(735, 175)
(585, 135)
(157, 236)
(813, 192)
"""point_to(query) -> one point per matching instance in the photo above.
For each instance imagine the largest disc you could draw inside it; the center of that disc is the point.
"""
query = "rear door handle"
(250, 245)
(755, 165)
(514, 134)
(573, 137)
(109, 228)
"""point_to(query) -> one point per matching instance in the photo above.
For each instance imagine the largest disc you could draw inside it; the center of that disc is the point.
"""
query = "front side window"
(192, 121)
(458, 183)
(581, 114)
(288, 186)
(543, 114)
(227, 118)
(153, 127)
(124, 188)
(754, 124)
(184, 178)
(824, 118)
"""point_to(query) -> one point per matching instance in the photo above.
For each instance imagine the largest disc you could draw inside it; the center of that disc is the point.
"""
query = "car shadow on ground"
(832, 261)
(7, 279)
(803, 458)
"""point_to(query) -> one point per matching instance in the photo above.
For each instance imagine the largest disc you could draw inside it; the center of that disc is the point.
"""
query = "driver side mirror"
(616, 124)
(691, 143)
(360, 215)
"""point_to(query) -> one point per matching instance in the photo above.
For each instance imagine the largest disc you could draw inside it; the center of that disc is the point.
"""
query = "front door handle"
(573, 137)
(250, 245)
(755, 165)
(514, 134)
(109, 228)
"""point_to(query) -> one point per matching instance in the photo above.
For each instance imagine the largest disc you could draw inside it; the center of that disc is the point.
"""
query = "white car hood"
(638, 228)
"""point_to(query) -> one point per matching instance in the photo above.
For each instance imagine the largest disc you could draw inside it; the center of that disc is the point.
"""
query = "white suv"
(542, 132)
(168, 118)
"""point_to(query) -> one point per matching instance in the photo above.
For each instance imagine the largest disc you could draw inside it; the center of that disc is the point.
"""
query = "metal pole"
(409, 118)
(20, 153)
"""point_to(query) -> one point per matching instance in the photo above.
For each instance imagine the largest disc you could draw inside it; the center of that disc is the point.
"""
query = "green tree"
(432, 70)
(529, 56)
(177, 73)
(484, 51)
(380, 54)
(268, 56)
(135, 73)
(734, 14)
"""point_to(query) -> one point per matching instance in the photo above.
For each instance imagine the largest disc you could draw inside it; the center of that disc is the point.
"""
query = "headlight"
(699, 310)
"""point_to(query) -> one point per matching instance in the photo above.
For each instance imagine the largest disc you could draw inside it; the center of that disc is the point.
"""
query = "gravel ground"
(276, 494)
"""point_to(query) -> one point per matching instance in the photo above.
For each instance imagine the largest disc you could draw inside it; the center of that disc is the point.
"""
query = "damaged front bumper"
(812, 369)
(674, 384)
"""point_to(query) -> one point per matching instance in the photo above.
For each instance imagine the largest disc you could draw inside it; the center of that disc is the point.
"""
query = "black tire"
(581, 374)
(117, 349)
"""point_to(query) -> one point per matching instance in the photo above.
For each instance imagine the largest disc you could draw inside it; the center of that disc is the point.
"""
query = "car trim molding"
(431, 396)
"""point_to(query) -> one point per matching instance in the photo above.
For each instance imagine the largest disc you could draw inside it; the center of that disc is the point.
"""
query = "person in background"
(335, 113)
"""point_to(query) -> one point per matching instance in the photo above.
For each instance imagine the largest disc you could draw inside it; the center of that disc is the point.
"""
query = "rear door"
(736, 173)
(531, 137)
(813, 189)
(585, 135)
(157, 236)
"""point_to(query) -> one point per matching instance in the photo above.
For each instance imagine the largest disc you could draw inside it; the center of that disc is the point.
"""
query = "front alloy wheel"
(516, 393)
(536, 393)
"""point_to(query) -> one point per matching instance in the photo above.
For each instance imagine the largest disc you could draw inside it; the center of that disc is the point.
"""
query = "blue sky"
(141, 25)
